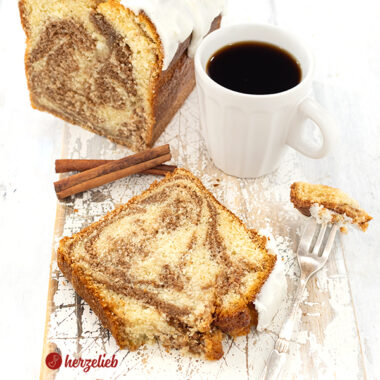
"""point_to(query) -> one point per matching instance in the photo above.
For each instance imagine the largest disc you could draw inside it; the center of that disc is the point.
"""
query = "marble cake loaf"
(172, 264)
(121, 70)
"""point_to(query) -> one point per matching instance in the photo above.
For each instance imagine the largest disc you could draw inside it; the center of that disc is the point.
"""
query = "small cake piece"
(328, 204)
(119, 69)
(172, 264)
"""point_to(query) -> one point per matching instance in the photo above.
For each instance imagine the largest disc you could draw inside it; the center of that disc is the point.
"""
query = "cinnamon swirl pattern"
(83, 76)
(177, 257)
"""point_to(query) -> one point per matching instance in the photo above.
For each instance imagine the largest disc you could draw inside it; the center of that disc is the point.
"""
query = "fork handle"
(288, 326)
(273, 368)
(276, 360)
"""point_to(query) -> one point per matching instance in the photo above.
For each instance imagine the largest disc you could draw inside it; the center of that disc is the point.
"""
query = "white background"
(345, 38)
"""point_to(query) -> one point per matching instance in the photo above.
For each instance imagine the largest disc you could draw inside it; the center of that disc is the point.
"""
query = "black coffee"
(254, 67)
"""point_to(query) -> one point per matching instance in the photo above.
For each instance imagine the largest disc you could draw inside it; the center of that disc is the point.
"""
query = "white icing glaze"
(274, 290)
(175, 20)
(324, 215)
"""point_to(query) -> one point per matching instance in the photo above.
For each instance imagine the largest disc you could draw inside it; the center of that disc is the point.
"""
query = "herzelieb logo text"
(54, 361)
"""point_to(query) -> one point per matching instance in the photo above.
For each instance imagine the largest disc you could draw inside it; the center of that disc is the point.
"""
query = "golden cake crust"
(303, 195)
(235, 321)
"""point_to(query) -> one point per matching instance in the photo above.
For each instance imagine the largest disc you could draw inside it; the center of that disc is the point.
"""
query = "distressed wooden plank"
(328, 322)
(48, 347)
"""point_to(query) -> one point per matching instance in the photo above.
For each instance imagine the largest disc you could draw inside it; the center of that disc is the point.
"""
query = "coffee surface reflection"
(253, 67)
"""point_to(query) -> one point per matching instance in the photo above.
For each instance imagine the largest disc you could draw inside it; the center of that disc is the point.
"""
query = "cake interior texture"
(96, 64)
(304, 195)
(171, 265)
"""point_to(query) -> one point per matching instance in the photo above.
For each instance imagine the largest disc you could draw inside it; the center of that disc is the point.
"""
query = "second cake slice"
(172, 264)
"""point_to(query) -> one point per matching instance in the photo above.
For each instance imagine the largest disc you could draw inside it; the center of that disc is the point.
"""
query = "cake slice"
(111, 69)
(172, 264)
(328, 204)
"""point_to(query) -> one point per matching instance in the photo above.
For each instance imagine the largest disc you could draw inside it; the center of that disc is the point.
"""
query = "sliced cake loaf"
(98, 64)
(172, 264)
(328, 204)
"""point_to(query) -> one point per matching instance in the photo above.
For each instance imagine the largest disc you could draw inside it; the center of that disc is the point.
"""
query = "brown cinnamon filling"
(113, 267)
(59, 67)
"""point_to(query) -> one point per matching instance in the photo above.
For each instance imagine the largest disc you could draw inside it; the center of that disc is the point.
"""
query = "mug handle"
(310, 109)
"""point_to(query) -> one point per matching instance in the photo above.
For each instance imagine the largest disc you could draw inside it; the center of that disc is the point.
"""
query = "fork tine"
(307, 236)
(330, 241)
(319, 241)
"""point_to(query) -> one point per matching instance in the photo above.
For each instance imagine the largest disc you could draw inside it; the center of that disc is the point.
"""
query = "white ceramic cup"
(246, 135)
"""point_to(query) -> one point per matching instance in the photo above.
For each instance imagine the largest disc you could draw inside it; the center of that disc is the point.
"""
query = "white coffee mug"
(246, 135)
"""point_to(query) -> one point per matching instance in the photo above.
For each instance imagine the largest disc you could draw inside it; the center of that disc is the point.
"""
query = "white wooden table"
(344, 36)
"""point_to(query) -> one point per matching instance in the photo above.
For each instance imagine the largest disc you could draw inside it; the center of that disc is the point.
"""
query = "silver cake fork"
(313, 253)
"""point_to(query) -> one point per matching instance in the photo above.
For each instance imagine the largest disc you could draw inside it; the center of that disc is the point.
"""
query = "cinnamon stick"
(80, 165)
(161, 170)
(112, 171)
